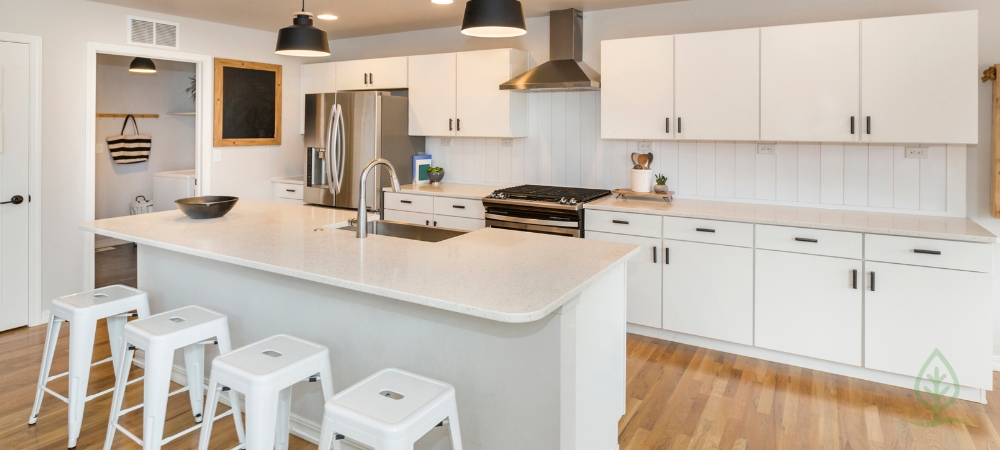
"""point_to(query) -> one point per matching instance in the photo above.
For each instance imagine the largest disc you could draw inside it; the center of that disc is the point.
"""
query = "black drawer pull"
(873, 282)
(666, 255)
(705, 230)
(927, 252)
(854, 275)
(458, 206)
(654, 254)
(623, 222)
(289, 190)
(852, 124)
(807, 240)
(405, 201)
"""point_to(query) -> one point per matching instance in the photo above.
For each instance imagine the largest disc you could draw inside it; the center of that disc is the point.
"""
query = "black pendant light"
(493, 19)
(302, 38)
(142, 65)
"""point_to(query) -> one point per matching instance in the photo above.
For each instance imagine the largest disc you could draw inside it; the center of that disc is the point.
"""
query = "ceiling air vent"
(153, 33)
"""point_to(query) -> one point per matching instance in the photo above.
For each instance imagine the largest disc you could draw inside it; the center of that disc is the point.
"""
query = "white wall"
(65, 27)
(122, 92)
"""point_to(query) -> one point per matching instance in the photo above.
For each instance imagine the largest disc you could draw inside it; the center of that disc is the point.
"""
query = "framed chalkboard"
(247, 103)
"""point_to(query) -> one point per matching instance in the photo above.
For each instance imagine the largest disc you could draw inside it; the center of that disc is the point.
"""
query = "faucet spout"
(362, 204)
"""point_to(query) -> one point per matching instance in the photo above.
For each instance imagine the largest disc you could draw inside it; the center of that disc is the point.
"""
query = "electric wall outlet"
(916, 152)
(645, 147)
(216, 155)
(766, 149)
(446, 142)
(507, 143)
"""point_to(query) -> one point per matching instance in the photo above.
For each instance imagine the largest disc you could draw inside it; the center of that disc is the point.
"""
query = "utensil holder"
(642, 180)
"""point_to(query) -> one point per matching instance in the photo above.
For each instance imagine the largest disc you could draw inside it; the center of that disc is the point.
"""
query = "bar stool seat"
(189, 328)
(390, 410)
(83, 310)
(265, 372)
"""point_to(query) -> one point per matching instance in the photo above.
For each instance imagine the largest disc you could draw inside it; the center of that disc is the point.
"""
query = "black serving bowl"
(207, 207)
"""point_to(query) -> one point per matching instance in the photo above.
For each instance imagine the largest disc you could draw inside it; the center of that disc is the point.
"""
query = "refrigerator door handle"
(330, 153)
(340, 148)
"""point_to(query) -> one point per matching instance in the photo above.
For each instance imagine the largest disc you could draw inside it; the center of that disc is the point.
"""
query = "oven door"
(544, 226)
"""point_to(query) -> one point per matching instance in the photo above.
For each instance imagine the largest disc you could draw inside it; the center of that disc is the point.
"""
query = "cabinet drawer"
(288, 201)
(708, 231)
(840, 244)
(459, 207)
(409, 217)
(284, 190)
(969, 256)
(623, 223)
(458, 223)
(409, 202)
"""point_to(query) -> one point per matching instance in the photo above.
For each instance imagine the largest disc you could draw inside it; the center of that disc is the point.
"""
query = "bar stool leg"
(121, 381)
(51, 338)
(326, 433)
(116, 328)
(81, 351)
(456, 434)
(210, 404)
(194, 364)
(156, 390)
(226, 346)
(283, 422)
(262, 414)
(326, 380)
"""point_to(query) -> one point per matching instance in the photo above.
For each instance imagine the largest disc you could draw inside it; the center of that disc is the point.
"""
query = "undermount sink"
(408, 231)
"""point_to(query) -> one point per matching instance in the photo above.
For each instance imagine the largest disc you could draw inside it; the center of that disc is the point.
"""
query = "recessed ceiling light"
(443, 2)
(327, 17)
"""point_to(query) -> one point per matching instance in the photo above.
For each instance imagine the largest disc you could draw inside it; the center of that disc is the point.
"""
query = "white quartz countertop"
(474, 191)
(501, 275)
(934, 227)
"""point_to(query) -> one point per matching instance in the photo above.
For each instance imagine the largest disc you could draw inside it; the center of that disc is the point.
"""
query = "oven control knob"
(563, 201)
(572, 201)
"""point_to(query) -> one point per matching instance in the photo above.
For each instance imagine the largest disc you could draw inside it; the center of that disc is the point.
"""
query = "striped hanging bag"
(130, 149)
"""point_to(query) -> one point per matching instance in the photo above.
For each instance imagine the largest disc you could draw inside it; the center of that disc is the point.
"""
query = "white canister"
(642, 180)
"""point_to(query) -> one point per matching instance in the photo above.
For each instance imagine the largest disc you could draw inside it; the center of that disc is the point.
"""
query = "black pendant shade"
(302, 38)
(493, 18)
(142, 65)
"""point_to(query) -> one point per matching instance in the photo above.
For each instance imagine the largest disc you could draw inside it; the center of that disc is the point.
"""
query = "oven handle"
(547, 223)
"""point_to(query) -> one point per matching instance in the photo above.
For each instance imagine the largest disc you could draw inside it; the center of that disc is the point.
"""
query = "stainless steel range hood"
(565, 70)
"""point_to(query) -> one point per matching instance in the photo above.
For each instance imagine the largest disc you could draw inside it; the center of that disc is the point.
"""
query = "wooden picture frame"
(244, 118)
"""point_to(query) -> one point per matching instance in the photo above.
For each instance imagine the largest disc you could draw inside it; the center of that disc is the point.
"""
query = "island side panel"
(593, 364)
(507, 376)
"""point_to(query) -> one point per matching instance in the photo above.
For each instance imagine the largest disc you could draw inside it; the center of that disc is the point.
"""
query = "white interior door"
(14, 141)
(637, 88)
(810, 82)
(432, 95)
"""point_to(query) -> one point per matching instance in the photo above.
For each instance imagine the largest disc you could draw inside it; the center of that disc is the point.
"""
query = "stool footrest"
(168, 439)
(53, 377)
(128, 433)
(56, 395)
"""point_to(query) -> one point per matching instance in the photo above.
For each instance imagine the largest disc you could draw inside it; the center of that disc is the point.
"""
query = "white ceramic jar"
(642, 180)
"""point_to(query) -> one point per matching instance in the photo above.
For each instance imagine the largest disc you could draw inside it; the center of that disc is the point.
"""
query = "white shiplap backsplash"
(563, 147)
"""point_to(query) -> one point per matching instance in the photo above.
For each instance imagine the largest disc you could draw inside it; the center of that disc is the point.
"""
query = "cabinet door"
(458, 223)
(911, 311)
(919, 78)
(409, 217)
(708, 290)
(352, 75)
(319, 78)
(810, 82)
(644, 302)
(387, 73)
(808, 305)
(637, 88)
(483, 109)
(432, 95)
(717, 84)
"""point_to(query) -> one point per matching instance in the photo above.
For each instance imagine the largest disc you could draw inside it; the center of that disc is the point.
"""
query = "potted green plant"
(661, 184)
(435, 175)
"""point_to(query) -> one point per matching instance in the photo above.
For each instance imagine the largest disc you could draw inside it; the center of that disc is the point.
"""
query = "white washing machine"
(170, 186)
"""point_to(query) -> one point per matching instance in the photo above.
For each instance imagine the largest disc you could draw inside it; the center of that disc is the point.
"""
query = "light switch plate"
(216, 155)
(446, 142)
(507, 143)
(645, 147)
(766, 149)
(916, 152)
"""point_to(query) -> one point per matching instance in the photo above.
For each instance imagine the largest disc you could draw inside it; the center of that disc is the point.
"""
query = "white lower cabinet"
(458, 223)
(912, 311)
(708, 290)
(409, 217)
(809, 305)
(434, 211)
(645, 274)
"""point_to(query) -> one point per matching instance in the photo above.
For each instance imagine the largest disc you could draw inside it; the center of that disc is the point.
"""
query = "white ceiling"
(356, 17)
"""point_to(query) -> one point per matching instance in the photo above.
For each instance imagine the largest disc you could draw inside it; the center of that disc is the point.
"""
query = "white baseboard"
(996, 363)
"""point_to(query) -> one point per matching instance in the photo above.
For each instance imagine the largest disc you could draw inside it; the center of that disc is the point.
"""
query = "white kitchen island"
(529, 328)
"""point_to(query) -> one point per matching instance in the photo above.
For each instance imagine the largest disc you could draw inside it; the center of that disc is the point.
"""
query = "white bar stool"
(390, 410)
(83, 310)
(265, 372)
(190, 328)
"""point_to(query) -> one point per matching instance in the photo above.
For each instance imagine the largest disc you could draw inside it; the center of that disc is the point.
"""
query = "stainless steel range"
(540, 209)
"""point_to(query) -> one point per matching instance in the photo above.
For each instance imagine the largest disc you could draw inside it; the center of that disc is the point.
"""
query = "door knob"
(17, 200)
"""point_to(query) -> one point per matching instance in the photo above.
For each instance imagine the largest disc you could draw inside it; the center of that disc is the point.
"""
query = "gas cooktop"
(548, 194)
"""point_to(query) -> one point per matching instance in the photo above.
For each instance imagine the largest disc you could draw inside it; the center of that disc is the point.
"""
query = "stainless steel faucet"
(362, 204)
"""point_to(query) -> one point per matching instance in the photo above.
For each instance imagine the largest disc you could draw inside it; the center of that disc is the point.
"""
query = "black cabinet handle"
(868, 124)
(668, 125)
(807, 240)
(852, 124)
(678, 125)
(872, 287)
(654, 254)
(449, 124)
(458, 124)
(405, 201)
(435, 223)
(458, 206)
(705, 230)
(371, 78)
(666, 255)
(927, 252)
(854, 275)
(427, 222)
(366, 78)
(623, 222)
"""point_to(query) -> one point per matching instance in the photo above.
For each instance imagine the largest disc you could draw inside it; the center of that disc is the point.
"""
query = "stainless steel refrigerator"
(347, 130)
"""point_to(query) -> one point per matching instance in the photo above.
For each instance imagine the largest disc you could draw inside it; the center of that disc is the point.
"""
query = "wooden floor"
(679, 397)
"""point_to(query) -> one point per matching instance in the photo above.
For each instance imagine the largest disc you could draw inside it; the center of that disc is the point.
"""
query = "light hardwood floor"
(679, 397)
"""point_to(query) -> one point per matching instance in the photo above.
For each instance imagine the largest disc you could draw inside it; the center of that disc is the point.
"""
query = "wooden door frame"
(35, 314)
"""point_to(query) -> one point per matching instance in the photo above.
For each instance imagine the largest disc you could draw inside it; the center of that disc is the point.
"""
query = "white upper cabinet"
(637, 88)
(919, 78)
(483, 110)
(717, 85)
(319, 78)
(432, 94)
(810, 83)
(368, 74)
